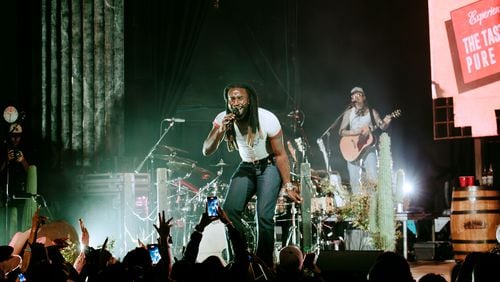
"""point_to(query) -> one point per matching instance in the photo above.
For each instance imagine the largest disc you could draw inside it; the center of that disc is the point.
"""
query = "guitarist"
(360, 121)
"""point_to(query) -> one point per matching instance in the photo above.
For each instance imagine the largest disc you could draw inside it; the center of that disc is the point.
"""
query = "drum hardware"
(171, 149)
(221, 163)
(149, 155)
(293, 231)
(250, 234)
(194, 206)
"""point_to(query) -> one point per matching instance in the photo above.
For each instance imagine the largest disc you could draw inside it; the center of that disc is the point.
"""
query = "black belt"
(267, 160)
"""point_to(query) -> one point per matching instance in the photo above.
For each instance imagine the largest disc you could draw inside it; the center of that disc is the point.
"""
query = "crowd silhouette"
(31, 257)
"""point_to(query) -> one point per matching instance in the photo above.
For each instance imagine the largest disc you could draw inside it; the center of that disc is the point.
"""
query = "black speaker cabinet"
(346, 265)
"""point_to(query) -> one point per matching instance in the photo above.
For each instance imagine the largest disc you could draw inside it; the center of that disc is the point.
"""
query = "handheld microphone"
(175, 119)
(229, 124)
(235, 111)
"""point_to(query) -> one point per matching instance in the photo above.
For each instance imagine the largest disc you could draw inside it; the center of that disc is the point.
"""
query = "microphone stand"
(327, 132)
(138, 169)
(152, 173)
(7, 167)
(7, 182)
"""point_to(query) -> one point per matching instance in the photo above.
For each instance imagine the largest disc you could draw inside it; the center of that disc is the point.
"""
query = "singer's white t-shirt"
(269, 126)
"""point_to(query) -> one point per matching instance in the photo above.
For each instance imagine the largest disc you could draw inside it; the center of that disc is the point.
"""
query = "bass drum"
(196, 205)
(214, 242)
(250, 209)
(282, 208)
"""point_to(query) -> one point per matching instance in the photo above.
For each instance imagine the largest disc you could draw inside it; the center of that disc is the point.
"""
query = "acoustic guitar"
(353, 147)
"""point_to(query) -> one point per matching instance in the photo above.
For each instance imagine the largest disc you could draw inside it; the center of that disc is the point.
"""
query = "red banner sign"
(477, 34)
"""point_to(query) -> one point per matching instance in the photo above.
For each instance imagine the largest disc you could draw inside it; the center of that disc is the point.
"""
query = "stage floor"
(420, 268)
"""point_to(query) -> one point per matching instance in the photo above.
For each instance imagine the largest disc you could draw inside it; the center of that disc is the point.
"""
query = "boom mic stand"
(150, 156)
(6, 223)
(7, 195)
(327, 133)
(171, 124)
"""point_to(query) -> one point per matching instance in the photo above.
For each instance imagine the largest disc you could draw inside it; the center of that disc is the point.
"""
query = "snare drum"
(282, 207)
(330, 205)
(322, 205)
(249, 212)
(318, 205)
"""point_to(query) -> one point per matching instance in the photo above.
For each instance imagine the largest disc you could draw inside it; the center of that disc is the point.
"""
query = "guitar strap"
(371, 119)
(375, 127)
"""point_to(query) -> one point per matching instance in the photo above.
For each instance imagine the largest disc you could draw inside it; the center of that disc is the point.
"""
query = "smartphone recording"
(212, 206)
(154, 253)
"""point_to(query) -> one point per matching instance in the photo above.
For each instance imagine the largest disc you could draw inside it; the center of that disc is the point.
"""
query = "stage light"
(408, 188)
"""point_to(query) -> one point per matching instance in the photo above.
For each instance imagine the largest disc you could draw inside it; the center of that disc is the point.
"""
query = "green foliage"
(400, 181)
(372, 210)
(386, 219)
(70, 253)
(355, 210)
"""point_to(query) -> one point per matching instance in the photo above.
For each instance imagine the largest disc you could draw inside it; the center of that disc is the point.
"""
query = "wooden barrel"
(475, 214)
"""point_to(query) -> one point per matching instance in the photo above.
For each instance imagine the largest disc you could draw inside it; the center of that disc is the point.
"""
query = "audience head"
(290, 259)
(213, 268)
(9, 263)
(138, 264)
(432, 277)
(390, 266)
(182, 270)
(486, 266)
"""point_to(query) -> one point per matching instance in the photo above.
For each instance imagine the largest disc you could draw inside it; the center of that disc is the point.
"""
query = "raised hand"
(85, 233)
(205, 220)
(164, 225)
(141, 244)
(223, 216)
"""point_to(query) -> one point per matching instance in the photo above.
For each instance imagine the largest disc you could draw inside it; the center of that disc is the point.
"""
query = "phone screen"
(212, 206)
(154, 253)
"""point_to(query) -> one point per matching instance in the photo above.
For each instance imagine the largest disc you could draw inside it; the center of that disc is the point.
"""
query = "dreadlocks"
(251, 115)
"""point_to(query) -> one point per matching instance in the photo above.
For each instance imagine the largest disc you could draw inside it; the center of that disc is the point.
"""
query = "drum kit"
(190, 185)
(186, 190)
(288, 215)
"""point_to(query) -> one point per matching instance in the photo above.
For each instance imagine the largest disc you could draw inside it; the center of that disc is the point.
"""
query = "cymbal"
(221, 163)
(171, 149)
(173, 158)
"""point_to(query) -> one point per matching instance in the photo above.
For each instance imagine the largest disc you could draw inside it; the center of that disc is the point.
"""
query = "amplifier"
(433, 250)
(113, 182)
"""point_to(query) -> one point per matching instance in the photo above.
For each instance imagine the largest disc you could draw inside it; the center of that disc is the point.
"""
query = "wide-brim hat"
(357, 89)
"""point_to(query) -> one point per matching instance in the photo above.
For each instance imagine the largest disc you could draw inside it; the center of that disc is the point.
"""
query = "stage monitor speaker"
(346, 265)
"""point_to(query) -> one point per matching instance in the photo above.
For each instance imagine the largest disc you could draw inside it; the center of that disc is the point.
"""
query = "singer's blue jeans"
(264, 181)
(369, 164)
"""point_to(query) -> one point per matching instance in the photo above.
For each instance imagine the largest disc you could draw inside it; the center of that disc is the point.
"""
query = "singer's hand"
(365, 130)
(227, 121)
